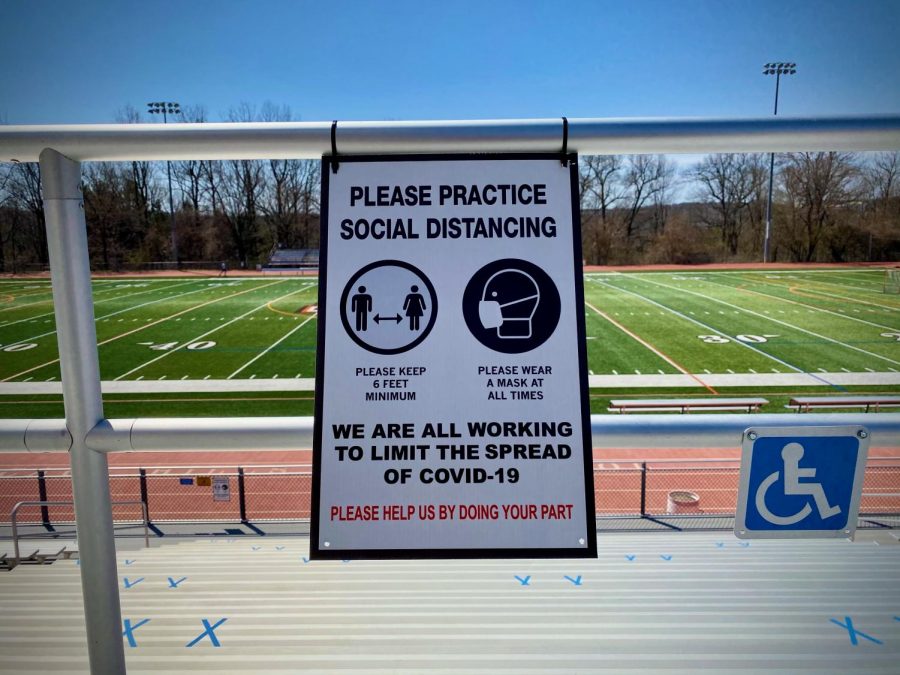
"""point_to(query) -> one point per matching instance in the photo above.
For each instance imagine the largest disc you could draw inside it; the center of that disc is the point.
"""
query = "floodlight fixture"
(776, 68)
(166, 108)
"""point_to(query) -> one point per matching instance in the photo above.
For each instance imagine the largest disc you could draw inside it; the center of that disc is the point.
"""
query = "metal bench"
(804, 403)
(685, 405)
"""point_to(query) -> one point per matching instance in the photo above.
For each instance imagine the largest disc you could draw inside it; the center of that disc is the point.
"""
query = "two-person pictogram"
(388, 307)
(413, 306)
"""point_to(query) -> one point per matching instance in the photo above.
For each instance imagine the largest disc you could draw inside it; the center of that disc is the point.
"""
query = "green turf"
(734, 322)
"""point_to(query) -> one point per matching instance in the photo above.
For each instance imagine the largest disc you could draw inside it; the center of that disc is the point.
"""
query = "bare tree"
(728, 184)
(881, 183)
(817, 185)
(23, 188)
(646, 177)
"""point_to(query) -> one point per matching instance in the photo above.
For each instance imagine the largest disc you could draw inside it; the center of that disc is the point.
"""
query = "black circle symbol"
(511, 306)
(383, 309)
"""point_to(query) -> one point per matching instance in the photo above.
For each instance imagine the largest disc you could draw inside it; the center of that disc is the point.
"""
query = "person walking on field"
(414, 306)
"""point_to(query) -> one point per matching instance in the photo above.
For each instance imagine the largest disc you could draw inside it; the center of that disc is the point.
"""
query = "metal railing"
(627, 487)
(15, 530)
(87, 433)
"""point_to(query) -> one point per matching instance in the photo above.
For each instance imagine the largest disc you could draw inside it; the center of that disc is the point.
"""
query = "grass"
(661, 323)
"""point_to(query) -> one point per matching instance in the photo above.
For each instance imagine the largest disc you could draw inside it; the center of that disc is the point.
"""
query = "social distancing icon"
(388, 307)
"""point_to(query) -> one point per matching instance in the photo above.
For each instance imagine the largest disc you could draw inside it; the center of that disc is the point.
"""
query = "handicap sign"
(801, 482)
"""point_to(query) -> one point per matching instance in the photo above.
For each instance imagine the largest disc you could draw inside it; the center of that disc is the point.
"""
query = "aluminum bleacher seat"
(650, 603)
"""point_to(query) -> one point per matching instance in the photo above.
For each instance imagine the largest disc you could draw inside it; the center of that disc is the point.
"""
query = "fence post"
(144, 499)
(643, 489)
(241, 500)
(42, 496)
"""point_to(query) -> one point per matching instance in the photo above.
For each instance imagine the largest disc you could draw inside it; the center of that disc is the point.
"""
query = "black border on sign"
(590, 531)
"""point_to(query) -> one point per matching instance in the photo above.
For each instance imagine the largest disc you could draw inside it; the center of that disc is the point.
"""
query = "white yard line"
(649, 346)
(126, 295)
(121, 311)
(774, 320)
(147, 325)
(270, 347)
(745, 345)
(802, 304)
(203, 335)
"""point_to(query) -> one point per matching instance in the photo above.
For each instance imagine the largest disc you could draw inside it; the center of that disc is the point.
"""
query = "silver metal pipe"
(77, 339)
(608, 431)
(285, 140)
(15, 530)
(285, 433)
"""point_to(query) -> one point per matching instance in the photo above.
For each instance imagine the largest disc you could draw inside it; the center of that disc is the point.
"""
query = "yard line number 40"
(168, 346)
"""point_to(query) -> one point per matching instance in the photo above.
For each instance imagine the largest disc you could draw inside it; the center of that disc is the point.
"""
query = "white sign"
(452, 414)
(221, 486)
(801, 482)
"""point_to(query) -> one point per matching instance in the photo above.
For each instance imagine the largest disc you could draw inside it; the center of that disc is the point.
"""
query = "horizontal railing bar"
(186, 434)
(286, 140)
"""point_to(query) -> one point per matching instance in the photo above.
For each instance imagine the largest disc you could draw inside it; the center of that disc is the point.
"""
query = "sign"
(186, 481)
(204, 481)
(221, 489)
(801, 482)
(452, 414)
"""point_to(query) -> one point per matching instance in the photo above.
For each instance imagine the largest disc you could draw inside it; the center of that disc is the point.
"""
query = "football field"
(246, 345)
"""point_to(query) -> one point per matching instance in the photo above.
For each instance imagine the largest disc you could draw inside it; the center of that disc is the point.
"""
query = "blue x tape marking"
(524, 581)
(576, 580)
(173, 583)
(210, 631)
(129, 630)
(129, 584)
(666, 557)
(853, 632)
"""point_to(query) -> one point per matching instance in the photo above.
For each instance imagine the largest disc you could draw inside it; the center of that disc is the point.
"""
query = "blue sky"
(80, 62)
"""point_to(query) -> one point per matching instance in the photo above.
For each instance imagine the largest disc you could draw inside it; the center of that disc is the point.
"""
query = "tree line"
(636, 209)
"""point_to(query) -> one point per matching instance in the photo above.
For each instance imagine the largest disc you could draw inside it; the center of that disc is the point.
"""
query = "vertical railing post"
(643, 489)
(144, 498)
(80, 369)
(241, 499)
(42, 496)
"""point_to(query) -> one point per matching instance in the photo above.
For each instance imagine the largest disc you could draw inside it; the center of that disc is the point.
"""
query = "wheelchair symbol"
(791, 456)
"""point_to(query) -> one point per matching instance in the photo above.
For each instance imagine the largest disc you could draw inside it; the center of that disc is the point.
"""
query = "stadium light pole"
(777, 69)
(166, 108)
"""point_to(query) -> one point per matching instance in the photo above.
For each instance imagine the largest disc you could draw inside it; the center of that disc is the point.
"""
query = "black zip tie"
(334, 161)
(564, 160)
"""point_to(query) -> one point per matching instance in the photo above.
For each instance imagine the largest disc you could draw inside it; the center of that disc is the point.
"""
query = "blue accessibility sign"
(801, 482)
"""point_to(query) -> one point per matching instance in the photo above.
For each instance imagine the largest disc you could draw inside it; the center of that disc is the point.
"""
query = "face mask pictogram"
(508, 304)
(511, 306)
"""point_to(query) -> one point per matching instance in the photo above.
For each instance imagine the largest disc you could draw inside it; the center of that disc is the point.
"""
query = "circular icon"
(388, 307)
(511, 306)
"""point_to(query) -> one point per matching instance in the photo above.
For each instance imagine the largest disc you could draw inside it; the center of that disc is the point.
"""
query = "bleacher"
(667, 603)
(292, 260)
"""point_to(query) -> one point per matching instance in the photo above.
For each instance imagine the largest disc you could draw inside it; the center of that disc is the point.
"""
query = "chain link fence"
(283, 493)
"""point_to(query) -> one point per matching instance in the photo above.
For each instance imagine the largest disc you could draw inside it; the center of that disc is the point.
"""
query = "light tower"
(166, 108)
(777, 69)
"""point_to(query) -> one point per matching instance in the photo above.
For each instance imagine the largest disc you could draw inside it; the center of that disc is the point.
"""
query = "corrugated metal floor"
(654, 603)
